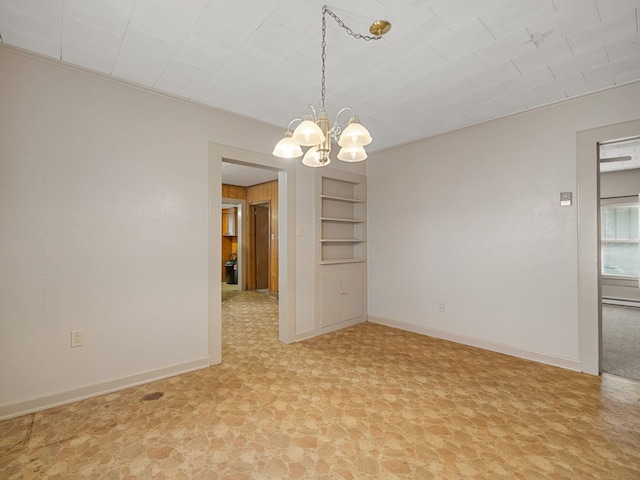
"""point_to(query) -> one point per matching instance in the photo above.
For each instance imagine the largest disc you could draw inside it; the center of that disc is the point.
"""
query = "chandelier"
(316, 131)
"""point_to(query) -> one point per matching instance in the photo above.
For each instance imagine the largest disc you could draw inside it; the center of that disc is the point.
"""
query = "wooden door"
(261, 239)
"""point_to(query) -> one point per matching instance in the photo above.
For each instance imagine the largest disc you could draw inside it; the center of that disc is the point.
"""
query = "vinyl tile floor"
(366, 402)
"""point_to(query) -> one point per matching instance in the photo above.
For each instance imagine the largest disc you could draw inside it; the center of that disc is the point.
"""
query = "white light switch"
(298, 231)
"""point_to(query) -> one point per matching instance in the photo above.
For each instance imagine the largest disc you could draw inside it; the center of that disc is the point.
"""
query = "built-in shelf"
(343, 199)
(341, 240)
(343, 220)
(340, 262)
(342, 213)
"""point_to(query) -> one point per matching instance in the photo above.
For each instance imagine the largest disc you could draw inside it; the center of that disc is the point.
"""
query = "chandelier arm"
(315, 114)
(336, 130)
(292, 122)
(344, 109)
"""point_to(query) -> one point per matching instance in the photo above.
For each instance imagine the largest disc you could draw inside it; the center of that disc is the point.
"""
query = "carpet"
(621, 341)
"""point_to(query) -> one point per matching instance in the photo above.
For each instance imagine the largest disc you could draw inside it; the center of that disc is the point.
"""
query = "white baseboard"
(53, 400)
(300, 337)
(484, 344)
(621, 302)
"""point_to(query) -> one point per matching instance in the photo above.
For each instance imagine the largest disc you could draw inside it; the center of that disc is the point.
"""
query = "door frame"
(588, 204)
(286, 240)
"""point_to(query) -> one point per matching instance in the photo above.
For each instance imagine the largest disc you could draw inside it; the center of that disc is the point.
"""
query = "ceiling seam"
(487, 28)
(439, 19)
(598, 10)
(124, 34)
(515, 66)
(566, 39)
(606, 52)
(180, 46)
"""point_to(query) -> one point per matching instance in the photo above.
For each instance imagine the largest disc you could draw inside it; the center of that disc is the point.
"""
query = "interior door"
(261, 245)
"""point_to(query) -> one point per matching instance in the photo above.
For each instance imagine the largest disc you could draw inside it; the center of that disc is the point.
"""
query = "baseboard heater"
(623, 302)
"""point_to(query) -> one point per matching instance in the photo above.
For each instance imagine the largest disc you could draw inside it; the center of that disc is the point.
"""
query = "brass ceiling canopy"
(379, 27)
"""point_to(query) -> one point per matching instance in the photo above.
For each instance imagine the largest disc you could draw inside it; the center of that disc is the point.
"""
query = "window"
(619, 235)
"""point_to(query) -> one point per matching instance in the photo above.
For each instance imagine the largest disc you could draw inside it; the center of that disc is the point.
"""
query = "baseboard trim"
(621, 302)
(300, 337)
(479, 343)
(49, 401)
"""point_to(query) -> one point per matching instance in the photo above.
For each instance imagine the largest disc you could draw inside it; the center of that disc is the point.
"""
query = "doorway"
(219, 153)
(260, 246)
(619, 177)
(233, 243)
(589, 263)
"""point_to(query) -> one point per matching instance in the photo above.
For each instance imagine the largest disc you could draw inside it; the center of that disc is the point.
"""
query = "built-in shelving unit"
(341, 249)
(342, 210)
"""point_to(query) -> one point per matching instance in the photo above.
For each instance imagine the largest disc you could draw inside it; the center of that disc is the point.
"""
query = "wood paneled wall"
(234, 191)
(258, 194)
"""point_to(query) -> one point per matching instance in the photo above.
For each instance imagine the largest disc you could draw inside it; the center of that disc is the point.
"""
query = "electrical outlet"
(76, 338)
(441, 306)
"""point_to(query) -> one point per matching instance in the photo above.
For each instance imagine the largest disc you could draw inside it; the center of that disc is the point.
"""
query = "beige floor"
(368, 402)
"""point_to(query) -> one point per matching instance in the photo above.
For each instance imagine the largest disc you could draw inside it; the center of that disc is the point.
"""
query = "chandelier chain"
(324, 58)
(358, 36)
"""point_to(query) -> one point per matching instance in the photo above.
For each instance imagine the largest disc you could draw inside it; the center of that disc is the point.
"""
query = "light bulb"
(312, 158)
(308, 133)
(355, 135)
(352, 154)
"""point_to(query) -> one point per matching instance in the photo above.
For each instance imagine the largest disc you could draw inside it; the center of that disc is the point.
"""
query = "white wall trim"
(511, 350)
(49, 401)
(309, 334)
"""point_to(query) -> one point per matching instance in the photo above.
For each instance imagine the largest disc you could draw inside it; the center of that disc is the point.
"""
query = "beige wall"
(483, 230)
(104, 213)
(105, 227)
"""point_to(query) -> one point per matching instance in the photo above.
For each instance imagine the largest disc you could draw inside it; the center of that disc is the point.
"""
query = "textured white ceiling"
(246, 176)
(444, 65)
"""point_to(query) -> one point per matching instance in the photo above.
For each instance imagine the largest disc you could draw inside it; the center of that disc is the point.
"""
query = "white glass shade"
(287, 148)
(312, 158)
(352, 154)
(308, 133)
(354, 135)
